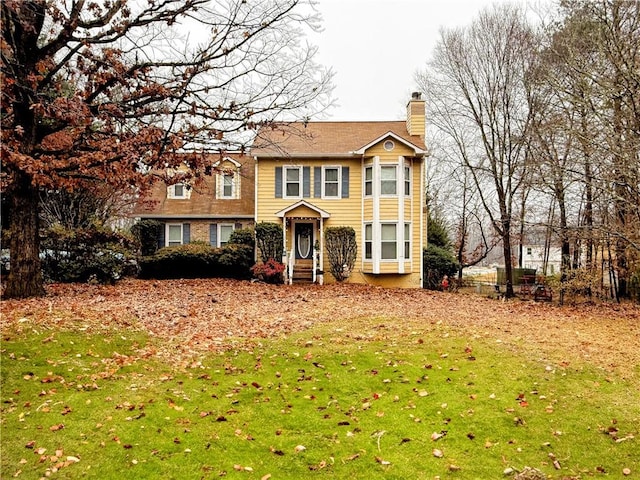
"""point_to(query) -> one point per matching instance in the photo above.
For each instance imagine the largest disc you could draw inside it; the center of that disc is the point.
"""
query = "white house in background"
(545, 260)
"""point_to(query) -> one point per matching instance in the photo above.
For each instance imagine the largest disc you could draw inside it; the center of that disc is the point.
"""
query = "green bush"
(438, 262)
(235, 260)
(94, 253)
(243, 236)
(199, 260)
(341, 247)
(146, 233)
(269, 241)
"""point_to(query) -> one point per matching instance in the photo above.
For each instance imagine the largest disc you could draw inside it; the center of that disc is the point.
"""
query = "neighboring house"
(545, 260)
(367, 175)
(208, 212)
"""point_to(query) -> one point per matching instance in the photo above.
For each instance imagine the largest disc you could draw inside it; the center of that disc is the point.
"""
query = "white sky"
(376, 46)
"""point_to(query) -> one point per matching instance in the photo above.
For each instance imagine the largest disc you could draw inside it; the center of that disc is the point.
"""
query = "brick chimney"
(416, 115)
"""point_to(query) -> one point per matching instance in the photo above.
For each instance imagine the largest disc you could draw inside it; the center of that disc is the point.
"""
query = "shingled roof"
(327, 138)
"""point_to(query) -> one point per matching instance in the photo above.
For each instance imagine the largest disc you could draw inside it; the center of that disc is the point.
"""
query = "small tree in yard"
(342, 249)
(269, 241)
(116, 93)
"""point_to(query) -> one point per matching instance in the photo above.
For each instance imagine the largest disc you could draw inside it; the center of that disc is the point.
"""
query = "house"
(368, 175)
(208, 211)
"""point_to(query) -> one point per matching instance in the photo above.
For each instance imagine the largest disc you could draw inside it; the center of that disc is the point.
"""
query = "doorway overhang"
(302, 203)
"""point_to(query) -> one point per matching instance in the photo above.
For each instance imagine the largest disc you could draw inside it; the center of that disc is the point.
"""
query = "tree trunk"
(25, 276)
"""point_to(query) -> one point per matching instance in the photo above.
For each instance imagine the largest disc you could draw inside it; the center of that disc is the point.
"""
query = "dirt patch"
(204, 315)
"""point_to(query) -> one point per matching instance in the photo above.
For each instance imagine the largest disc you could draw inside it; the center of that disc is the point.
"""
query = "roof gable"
(302, 203)
(399, 139)
(330, 138)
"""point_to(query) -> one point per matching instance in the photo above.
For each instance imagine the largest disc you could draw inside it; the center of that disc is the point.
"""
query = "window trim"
(368, 227)
(407, 180)
(234, 184)
(285, 183)
(395, 242)
(168, 241)
(338, 182)
(407, 241)
(219, 237)
(368, 168)
(395, 180)
(171, 191)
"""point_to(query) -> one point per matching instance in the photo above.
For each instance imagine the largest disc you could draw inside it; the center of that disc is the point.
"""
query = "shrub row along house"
(308, 177)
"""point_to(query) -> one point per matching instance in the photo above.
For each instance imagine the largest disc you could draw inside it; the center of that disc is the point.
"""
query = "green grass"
(363, 406)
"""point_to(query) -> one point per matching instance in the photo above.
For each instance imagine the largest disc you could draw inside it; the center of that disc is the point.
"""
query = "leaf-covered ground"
(192, 316)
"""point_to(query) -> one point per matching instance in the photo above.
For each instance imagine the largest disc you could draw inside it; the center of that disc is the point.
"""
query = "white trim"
(375, 194)
(300, 181)
(323, 195)
(166, 233)
(416, 149)
(219, 233)
(389, 166)
(401, 219)
(302, 203)
(171, 192)
(228, 159)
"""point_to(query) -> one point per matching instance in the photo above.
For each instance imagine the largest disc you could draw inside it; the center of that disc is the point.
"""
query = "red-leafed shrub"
(269, 272)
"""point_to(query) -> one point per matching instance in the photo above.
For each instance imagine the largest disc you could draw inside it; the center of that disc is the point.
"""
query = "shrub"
(235, 260)
(146, 233)
(193, 260)
(341, 247)
(269, 240)
(199, 260)
(243, 236)
(269, 271)
(81, 254)
(438, 262)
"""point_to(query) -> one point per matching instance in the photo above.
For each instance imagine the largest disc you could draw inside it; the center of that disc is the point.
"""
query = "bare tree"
(591, 69)
(113, 90)
(478, 97)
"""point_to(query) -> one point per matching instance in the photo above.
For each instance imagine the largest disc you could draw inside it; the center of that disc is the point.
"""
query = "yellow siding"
(352, 212)
(368, 209)
(389, 208)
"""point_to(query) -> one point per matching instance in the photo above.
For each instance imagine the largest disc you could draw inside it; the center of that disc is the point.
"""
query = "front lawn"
(349, 397)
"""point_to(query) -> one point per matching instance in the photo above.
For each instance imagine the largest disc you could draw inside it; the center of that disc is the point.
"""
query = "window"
(407, 240)
(407, 180)
(179, 190)
(225, 232)
(388, 242)
(331, 182)
(388, 182)
(293, 179)
(227, 186)
(174, 234)
(368, 241)
(368, 181)
(529, 250)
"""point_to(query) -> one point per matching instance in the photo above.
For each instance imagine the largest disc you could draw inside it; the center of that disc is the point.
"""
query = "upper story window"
(368, 181)
(228, 179)
(407, 180)
(178, 191)
(292, 182)
(228, 185)
(331, 182)
(388, 180)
